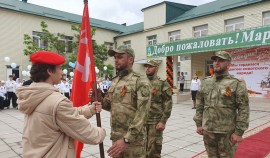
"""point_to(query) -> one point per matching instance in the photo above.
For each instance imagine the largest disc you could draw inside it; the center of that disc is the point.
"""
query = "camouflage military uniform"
(160, 111)
(222, 109)
(129, 102)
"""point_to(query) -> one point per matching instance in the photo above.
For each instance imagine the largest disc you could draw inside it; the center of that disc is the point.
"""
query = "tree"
(52, 42)
(100, 52)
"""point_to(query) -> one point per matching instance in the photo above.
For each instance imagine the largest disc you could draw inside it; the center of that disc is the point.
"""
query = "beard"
(220, 71)
(121, 67)
(150, 73)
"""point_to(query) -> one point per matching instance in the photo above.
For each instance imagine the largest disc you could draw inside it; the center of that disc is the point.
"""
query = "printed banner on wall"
(252, 65)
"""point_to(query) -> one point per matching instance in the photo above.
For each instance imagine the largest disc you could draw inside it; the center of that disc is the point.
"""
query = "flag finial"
(85, 1)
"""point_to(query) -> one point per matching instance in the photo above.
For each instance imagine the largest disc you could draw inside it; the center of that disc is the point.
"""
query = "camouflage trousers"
(134, 151)
(218, 145)
(153, 141)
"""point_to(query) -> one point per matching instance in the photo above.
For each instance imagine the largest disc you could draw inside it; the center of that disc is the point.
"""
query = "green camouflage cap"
(152, 62)
(223, 55)
(121, 49)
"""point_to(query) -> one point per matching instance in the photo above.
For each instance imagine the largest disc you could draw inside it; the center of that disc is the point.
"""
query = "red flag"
(84, 73)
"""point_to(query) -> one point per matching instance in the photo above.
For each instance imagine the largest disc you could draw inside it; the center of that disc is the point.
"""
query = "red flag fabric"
(84, 73)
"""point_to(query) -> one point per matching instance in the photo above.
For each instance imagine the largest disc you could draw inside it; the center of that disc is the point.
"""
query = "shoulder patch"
(207, 77)
(233, 77)
(145, 91)
(161, 79)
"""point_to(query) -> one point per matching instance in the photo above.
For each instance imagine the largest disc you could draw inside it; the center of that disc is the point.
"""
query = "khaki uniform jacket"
(222, 105)
(129, 102)
(161, 102)
(52, 123)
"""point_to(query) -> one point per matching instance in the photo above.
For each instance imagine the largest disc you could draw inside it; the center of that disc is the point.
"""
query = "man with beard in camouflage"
(222, 109)
(128, 100)
(160, 110)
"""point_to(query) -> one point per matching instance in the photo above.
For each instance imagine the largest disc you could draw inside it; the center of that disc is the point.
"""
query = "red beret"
(45, 57)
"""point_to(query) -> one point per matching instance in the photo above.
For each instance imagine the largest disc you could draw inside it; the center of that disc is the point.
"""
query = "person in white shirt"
(3, 92)
(70, 85)
(18, 83)
(100, 85)
(194, 87)
(64, 88)
(11, 86)
(105, 87)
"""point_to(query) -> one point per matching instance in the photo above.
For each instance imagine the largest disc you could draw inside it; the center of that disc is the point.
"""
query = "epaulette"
(233, 77)
(114, 77)
(163, 80)
(207, 77)
(137, 74)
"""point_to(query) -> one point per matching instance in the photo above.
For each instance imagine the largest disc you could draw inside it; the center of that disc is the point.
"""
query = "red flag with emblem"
(84, 72)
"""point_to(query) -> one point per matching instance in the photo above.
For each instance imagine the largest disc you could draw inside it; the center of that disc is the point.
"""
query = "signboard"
(246, 38)
(252, 66)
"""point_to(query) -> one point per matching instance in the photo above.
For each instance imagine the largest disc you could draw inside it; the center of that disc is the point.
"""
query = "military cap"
(152, 62)
(45, 57)
(122, 49)
(223, 55)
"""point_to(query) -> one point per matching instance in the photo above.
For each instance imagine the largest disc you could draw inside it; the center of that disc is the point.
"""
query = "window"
(38, 41)
(200, 31)
(108, 45)
(174, 36)
(67, 41)
(234, 24)
(152, 40)
(266, 18)
(127, 43)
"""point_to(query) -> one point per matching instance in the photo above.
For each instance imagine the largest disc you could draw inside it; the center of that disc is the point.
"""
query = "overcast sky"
(117, 11)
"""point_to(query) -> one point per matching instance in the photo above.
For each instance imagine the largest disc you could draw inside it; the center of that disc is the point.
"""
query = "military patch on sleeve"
(169, 92)
(145, 91)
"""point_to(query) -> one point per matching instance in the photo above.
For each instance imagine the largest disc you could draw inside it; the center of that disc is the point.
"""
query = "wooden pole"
(101, 146)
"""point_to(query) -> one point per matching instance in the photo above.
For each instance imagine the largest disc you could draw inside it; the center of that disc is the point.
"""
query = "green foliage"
(53, 43)
(51, 40)
(30, 45)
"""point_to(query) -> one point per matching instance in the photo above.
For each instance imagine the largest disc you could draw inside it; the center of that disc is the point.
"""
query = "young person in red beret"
(51, 122)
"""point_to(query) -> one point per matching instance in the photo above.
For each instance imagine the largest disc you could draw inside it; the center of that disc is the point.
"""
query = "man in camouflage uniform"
(160, 110)
(222, 112)
(129, 100)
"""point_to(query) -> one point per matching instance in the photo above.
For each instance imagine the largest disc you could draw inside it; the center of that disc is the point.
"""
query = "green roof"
(212, 8)
(56, 14)
(175, 12)
(133, 29)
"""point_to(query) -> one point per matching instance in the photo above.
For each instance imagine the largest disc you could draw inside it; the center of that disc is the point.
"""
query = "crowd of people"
(7, 89)
(139, 106)
(7, 92)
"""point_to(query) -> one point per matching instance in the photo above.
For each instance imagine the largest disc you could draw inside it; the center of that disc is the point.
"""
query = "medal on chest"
(228, 91)
(154, 91)
(123, 91)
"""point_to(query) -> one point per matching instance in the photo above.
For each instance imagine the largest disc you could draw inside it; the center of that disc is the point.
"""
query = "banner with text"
(252, 65)
(242, 39)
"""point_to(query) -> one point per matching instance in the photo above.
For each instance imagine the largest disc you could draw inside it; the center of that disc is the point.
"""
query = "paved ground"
(180, 138)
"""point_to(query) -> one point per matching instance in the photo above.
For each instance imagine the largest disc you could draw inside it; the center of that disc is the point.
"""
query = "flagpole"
(101, 146)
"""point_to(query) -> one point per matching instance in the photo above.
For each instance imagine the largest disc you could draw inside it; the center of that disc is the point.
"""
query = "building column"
(175, 70)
